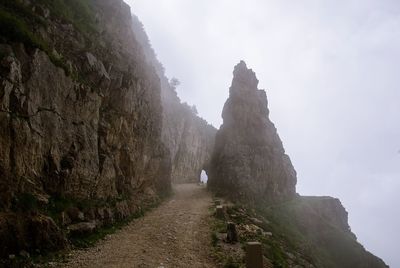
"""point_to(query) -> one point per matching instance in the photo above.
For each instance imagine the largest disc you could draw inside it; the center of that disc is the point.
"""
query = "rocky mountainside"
(91, 128)
(189, 138)
(249, 167)
(82, 128)
(249, 162)
(93, 133)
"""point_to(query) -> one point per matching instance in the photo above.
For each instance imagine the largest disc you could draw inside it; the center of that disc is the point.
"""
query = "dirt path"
(176, 234)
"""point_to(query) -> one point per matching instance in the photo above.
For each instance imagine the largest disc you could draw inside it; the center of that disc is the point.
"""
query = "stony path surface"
(176, 234)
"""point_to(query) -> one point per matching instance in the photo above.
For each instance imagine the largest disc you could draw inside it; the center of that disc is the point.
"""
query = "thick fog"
(331, 71)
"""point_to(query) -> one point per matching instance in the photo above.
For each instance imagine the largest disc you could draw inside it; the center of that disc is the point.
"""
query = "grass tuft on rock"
(89, 240)
(15, 29)
(77, 12)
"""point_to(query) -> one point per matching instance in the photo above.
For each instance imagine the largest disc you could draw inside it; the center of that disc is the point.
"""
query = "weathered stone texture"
(189, 138)
(249, 162)
(90, 137)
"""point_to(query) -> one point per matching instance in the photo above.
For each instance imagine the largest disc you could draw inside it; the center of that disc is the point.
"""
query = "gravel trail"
(176, 234)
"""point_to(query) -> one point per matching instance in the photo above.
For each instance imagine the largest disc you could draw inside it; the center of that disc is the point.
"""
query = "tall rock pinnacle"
(249, 161)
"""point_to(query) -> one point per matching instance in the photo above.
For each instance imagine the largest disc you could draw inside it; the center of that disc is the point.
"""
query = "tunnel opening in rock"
(203, 176)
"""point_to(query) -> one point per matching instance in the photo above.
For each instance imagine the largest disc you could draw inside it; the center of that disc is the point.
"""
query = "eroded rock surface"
(189, 138)
(85, 137)
(249, 161)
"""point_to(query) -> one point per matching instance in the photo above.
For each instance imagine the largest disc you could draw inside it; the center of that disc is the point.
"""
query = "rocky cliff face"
(249, 162)
(189, 138)
(81, 143)
(249, 166)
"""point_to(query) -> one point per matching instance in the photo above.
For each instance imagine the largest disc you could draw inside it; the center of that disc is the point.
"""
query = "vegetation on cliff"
(297, 233)
(21, 22)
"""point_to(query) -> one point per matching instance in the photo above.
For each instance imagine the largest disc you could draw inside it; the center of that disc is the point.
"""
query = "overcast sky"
(332, 76)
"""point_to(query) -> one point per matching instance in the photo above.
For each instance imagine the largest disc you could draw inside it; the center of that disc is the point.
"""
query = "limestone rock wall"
(81, 143)
(249, 162)
(189, 138)
(191, 141)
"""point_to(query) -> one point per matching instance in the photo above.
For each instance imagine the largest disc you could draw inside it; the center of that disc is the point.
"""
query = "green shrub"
(25, 202)
(77, 12)
(14, 29)
(16, 21)
(16, 8)
(231, 263)
(214, 239)
(57, 205)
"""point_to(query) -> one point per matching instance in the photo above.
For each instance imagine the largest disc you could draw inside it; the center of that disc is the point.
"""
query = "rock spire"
(249, 161)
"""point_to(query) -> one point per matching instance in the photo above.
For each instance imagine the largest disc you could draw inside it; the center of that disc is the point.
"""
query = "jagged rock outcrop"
(249, 162)
(83, 137)
(249, 166)
(189, 138)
